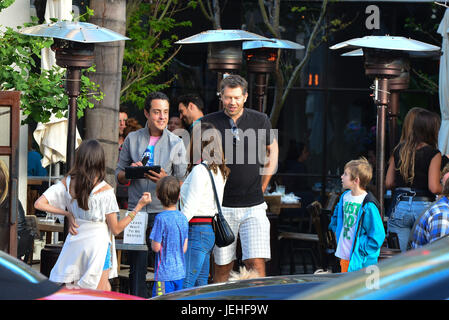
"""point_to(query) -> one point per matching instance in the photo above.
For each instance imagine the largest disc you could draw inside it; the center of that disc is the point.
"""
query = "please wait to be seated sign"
(135, 231)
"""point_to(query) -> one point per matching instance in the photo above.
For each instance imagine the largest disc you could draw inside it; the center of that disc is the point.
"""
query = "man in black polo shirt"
(248, 142)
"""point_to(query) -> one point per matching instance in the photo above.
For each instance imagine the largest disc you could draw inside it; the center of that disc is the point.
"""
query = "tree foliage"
(151, 26)
(278, 17)
(425, 30)
(43, 91)
(5, 4)
(311, 21)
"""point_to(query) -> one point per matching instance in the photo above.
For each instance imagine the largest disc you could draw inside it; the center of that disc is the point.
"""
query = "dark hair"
(191, 98)
(167, 190)
(131, 125)
(234, 81)
(426, 127)
(123, 109)
(214, 146)
(88, 169)
(154, 96)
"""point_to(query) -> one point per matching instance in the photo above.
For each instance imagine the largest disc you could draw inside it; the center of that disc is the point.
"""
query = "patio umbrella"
(52, 140)
(443, 83)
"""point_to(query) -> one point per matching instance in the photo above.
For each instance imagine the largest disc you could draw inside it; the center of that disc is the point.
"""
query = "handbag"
(223, 232)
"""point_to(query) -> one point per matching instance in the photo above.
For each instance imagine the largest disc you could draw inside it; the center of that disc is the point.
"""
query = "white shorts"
(253, 228)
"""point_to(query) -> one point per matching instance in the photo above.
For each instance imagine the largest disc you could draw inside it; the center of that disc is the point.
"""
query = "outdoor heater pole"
(381, 66)
(73, 91)
(261, 80)
(74, 60)
(393, 119)
(381, 100)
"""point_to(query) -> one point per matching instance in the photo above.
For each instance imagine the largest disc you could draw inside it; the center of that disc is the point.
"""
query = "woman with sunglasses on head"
(198, 202)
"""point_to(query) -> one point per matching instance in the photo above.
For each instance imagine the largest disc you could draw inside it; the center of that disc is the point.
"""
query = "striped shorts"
(252, 227)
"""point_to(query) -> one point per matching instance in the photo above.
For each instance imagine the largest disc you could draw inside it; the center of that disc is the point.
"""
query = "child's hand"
(145, 199)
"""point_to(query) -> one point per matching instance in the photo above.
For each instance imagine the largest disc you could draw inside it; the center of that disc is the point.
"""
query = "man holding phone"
(153, 145)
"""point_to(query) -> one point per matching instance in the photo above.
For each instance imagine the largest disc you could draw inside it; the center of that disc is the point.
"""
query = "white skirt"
(83, 256)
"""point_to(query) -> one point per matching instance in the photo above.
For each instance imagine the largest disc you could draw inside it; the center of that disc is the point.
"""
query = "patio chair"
(304, 244)
(326, 238)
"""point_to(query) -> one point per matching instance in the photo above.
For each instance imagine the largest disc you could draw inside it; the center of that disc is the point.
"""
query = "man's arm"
(272, 164)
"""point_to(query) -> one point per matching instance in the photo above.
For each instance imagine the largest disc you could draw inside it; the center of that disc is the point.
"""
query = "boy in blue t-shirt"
(169, 239)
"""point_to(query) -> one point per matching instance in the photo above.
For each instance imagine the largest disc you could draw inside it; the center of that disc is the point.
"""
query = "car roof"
(273, 288)
(415, 274)
(19, 281)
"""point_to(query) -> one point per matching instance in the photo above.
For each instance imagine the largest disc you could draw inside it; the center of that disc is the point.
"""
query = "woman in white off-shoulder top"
(88, 256)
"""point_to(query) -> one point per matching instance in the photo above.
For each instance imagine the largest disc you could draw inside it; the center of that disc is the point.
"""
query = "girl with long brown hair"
(414, 172)
(88, 256)
(198, 200)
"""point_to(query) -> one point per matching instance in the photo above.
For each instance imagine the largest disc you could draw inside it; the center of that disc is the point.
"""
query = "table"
(296, 205)
(275, 204)
(48, 228)
(119, 246)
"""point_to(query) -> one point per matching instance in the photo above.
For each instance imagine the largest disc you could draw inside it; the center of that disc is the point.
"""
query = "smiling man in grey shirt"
(161, 147)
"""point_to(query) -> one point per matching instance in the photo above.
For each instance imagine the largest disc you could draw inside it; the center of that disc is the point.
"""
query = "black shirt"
(244, 156)
(423, 157)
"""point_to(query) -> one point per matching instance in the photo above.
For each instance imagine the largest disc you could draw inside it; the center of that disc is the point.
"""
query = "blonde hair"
(407, 125)
(243, 274)
(4, 181)
(423, 129)
(361, 169)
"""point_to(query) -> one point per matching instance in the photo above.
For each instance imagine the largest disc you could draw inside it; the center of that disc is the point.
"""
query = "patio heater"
(383, 56)
(261, 58)
(396, 85)
(74, 44)
(224, 53)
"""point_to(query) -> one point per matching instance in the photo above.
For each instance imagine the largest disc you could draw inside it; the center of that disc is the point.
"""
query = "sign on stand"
(135, 231)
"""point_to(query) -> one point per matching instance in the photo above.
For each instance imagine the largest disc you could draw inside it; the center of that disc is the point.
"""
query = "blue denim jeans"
(200, 244)
(403, 217)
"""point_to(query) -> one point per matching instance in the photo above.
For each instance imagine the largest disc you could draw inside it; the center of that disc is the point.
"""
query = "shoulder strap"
(217, 201)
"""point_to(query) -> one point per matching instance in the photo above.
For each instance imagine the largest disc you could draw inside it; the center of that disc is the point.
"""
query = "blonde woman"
(414, 173)
(4, 206)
